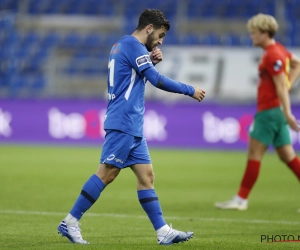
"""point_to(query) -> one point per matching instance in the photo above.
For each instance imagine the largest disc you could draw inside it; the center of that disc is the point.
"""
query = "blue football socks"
(89, 194)
(151, 205)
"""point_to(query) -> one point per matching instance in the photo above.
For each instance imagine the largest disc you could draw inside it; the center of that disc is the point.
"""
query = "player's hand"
(156, 55)
(294, 124)
(199, 94)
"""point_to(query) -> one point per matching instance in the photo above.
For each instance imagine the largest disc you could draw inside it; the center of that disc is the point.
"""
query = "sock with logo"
(89, 194)
(249, 179)
(150, 203)
(294, 165)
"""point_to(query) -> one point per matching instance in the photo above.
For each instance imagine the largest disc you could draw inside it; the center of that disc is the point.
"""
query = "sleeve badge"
(277, 65)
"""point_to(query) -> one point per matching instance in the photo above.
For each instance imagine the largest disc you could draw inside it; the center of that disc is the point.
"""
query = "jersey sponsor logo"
(277, 65)
(140, 61)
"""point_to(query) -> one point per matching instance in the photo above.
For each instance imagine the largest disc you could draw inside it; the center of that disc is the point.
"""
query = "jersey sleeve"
(275, 63)
(138, 56)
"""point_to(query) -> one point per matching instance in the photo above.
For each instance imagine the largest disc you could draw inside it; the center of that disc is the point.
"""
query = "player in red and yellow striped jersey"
(275, 61)
(278, 71)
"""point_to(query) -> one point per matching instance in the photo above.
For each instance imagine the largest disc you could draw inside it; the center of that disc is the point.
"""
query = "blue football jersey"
(126, 86)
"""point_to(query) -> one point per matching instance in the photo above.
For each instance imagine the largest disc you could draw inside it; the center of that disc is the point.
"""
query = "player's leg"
(256, 151)
(260, 137)
(151, 205)
(91, 191)
(114, 149)
(146, 194)
(286, 151)
(287, 154)
(89, 194)
(140, 162)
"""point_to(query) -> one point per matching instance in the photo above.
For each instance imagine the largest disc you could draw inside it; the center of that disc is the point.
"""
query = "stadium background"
(53, 69)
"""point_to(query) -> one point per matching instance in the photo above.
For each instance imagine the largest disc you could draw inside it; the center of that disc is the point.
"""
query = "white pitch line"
(280, 222)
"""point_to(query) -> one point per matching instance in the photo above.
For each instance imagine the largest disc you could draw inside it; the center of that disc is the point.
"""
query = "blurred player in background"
(278, 71)
(130, 66)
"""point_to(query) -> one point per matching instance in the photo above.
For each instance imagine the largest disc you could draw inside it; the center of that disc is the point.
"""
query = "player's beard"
(150, 42)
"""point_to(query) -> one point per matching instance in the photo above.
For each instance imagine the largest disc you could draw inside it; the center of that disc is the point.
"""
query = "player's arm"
(167, 84)
(295, 69)
(283, 95)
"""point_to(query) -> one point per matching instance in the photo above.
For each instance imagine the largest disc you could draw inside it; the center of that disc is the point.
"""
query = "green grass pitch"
(39, 184)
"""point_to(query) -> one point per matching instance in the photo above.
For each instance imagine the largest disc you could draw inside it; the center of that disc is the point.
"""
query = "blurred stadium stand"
(60, 48)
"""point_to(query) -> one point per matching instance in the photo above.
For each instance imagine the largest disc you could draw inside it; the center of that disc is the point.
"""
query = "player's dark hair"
(154, 17)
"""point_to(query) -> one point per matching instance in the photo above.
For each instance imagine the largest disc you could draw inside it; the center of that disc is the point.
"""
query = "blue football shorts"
(122, 150)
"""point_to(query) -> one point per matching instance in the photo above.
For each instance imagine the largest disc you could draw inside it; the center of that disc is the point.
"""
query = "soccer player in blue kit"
(130, 66)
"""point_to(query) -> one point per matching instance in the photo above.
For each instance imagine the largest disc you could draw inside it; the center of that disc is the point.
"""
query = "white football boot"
(73, 233)
(235, 203)
(174, 236)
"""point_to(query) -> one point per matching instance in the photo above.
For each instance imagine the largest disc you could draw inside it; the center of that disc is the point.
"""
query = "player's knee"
(107, 173)
(282, 158)
(255, 155)
(110, 179)
(151, 178)
(286, 154)
(286, 159)
(147, 179)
